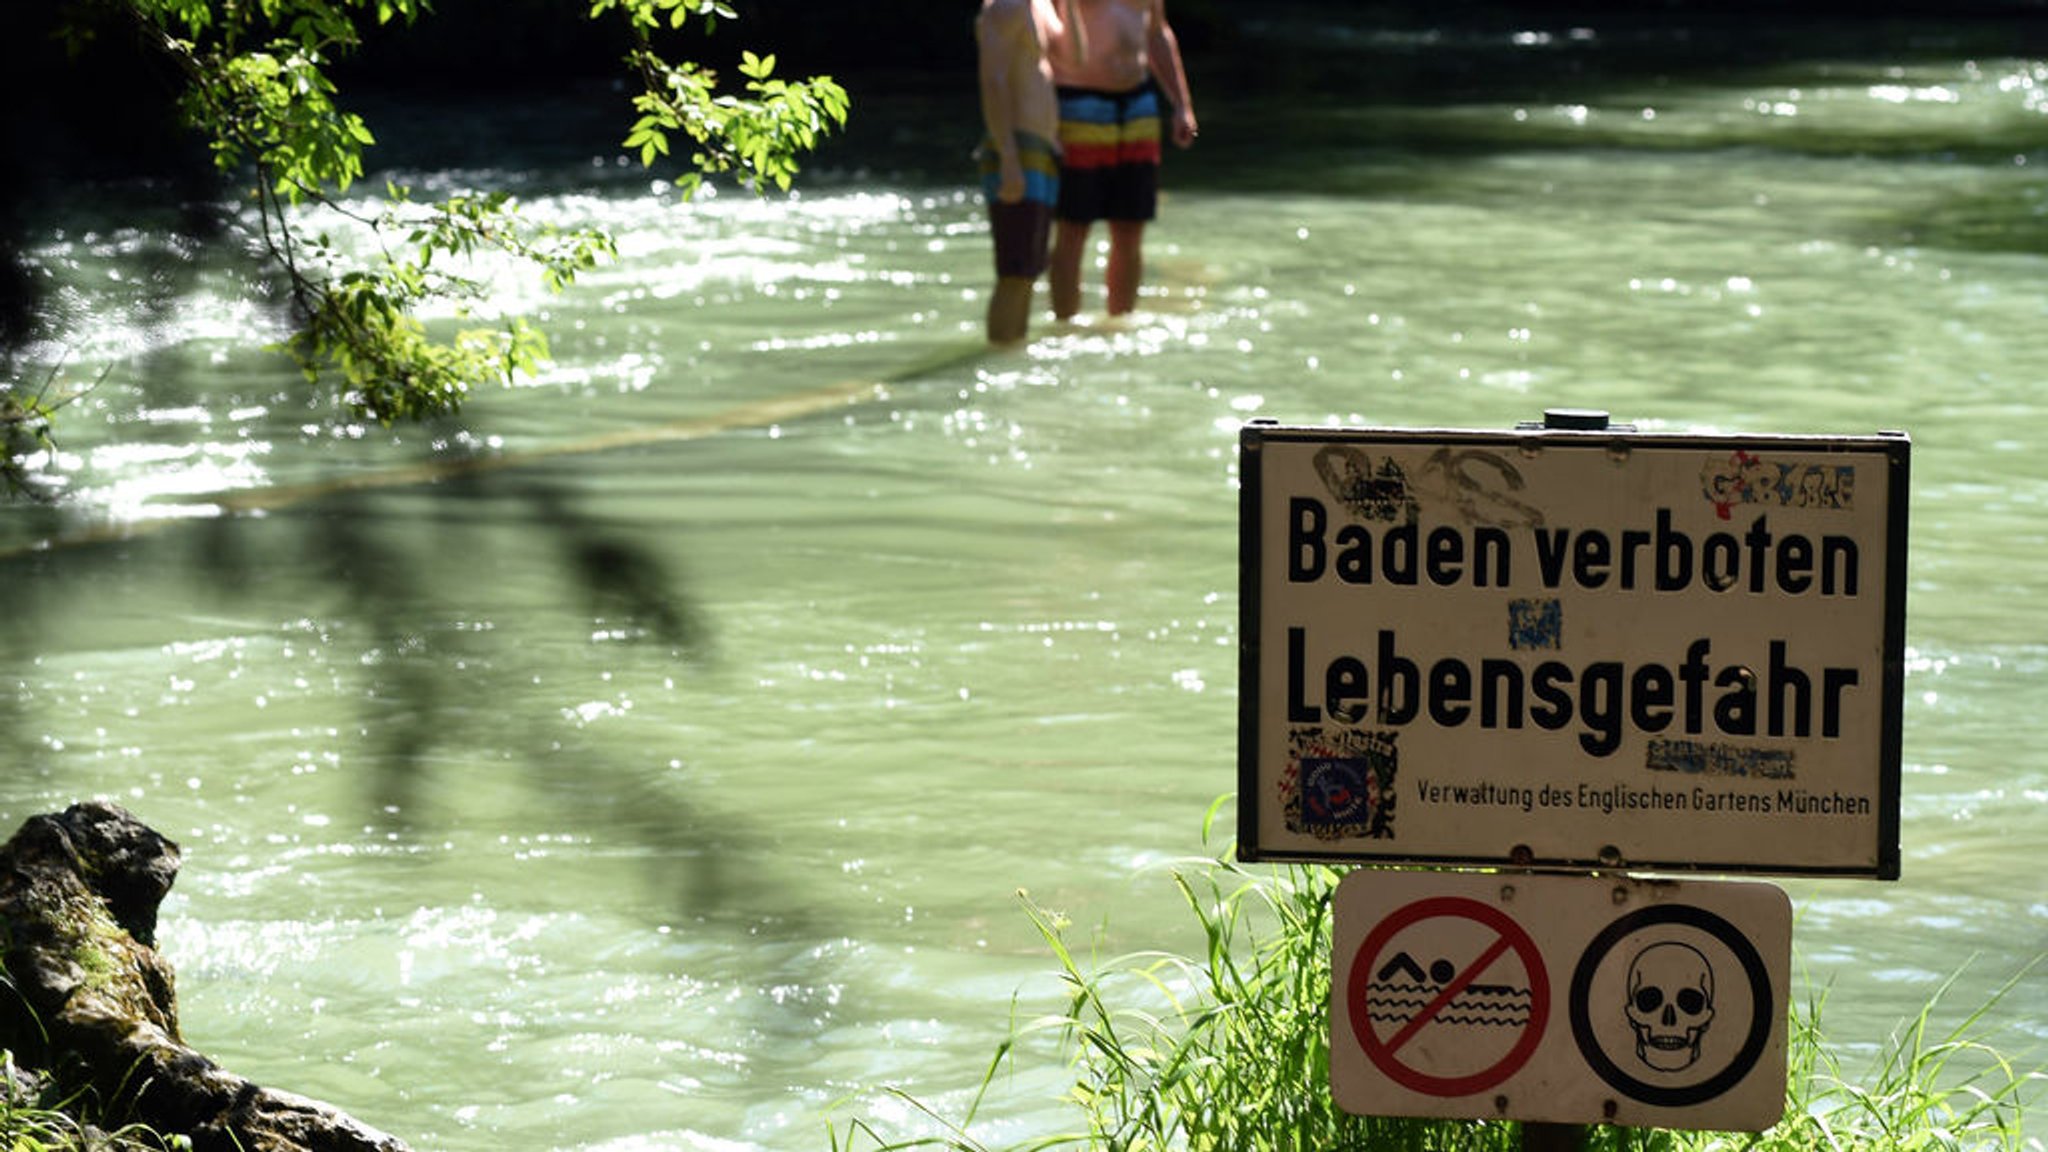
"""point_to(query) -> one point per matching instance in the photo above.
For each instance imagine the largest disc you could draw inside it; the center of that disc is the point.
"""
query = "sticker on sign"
(1572, 648)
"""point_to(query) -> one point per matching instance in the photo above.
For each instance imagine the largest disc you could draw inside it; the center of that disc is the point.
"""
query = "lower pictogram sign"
(1448, 996)
(1669, 999)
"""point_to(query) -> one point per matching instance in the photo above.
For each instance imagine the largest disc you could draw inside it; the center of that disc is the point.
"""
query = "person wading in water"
(1020, 172)
(1113, 98)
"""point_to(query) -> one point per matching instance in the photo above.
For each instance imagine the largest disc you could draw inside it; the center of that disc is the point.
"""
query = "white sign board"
(1572, 649)
(1560, 999)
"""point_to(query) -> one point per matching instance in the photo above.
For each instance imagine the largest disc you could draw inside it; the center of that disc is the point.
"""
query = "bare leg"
(1009, 309)
(1126, 264)
(1069, 244)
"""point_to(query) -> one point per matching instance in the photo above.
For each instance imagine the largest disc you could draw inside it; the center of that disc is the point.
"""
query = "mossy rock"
(89, 1001)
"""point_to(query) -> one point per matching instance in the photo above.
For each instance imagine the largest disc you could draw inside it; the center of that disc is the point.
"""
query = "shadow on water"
(433, 681)
(373, 568)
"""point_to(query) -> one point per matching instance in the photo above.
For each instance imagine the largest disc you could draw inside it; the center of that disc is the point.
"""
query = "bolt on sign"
(1575, 649)
(1560, 999)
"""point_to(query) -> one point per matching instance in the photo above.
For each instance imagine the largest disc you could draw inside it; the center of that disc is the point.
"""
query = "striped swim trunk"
(1041, 161)
(1022, 228)
(1110, 170)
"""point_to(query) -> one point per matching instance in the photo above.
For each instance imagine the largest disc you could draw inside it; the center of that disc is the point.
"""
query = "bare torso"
(1039, 106)
(1014, 44)
(1117, 60)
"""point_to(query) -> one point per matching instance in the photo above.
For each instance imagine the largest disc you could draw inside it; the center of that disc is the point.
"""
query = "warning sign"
(1572, 649)
(1674, 1014)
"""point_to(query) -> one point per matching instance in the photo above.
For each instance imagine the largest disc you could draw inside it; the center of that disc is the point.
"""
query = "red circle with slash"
(1385, 1052)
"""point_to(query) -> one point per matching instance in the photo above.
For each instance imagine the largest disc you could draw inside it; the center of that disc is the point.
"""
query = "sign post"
(1589, 651)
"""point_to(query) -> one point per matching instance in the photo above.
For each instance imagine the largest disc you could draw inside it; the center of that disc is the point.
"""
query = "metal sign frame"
(1468, 505)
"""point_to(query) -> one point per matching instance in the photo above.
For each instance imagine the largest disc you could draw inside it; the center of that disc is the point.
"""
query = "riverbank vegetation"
(39, 1127)
(1228, 1049)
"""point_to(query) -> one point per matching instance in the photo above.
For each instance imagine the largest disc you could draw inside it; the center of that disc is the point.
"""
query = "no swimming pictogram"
(1448, 996)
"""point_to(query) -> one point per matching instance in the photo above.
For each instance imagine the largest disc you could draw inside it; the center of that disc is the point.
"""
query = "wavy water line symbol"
(1486, 1005)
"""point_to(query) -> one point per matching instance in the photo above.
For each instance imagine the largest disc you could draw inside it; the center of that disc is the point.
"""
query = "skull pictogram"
(1670, 1004)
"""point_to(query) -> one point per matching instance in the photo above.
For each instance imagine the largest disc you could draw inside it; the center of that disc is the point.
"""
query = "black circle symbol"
(1763, 1015)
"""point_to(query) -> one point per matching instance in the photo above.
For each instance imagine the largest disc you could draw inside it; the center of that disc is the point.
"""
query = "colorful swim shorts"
(1110, 140)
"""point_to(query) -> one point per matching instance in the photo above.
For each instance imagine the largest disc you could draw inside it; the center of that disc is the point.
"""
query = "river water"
(495, 860)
